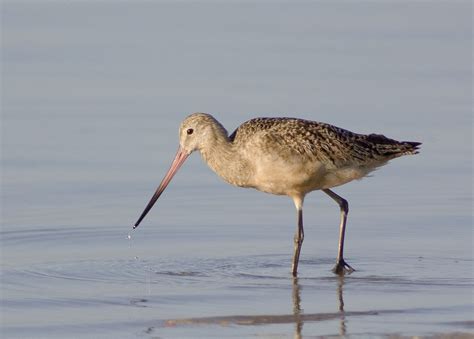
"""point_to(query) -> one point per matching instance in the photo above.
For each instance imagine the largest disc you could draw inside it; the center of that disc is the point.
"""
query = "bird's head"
(199, 130)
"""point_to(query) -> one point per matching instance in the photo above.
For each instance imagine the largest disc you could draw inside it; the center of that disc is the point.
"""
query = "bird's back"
(335, 147)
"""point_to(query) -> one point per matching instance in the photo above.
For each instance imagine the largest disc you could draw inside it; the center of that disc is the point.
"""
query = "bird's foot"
(342, 268)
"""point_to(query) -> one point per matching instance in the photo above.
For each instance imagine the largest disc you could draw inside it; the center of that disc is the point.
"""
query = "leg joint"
(298, 239)
(344, 205)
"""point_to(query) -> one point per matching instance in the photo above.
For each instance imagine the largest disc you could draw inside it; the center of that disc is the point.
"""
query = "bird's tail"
(392, 148)
(410, 147)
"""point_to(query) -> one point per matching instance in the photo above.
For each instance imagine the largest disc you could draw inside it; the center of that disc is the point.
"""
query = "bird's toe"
(342, 268)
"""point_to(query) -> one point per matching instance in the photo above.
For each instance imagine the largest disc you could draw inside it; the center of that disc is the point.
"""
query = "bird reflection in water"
(297, 308)
(340, 291)
(297, 317)
(298, 311)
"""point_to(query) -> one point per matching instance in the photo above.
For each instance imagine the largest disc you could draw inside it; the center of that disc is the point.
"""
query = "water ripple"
(261, 270)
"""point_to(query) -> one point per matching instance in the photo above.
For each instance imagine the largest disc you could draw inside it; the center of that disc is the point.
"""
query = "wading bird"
(285, 156)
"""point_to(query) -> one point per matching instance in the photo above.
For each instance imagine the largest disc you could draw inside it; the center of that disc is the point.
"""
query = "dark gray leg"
(341, 266)
(298, 241)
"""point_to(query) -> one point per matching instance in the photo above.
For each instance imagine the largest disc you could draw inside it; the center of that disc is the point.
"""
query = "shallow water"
(93, 94)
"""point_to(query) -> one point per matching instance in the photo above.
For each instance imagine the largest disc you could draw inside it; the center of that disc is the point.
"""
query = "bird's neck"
(224, 158)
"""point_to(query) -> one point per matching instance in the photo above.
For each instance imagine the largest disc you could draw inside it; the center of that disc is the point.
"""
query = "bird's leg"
(341, 266)
(298, 240)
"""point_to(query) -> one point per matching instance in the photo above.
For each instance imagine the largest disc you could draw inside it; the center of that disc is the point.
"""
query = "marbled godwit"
(285, 156)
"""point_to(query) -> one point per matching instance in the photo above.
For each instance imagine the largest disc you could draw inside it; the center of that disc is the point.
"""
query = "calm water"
(93, 93)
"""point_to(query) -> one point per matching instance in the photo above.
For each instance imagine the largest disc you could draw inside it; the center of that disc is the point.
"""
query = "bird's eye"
(190, 131)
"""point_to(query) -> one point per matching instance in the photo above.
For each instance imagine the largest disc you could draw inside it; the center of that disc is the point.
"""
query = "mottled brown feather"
(329, 144)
